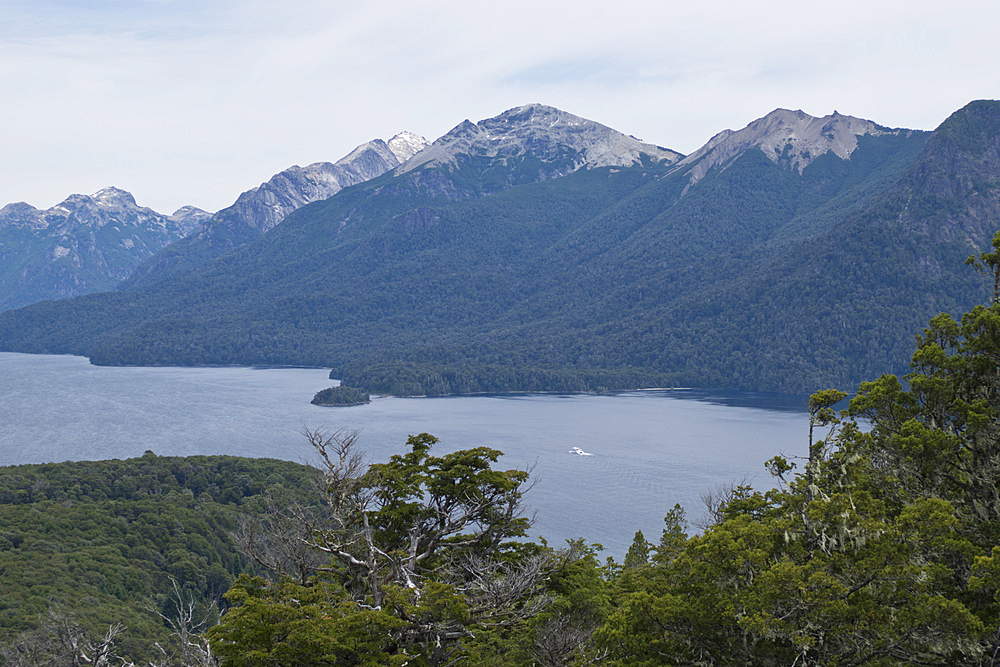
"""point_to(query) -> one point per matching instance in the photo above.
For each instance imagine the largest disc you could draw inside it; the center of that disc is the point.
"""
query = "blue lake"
(650, 449)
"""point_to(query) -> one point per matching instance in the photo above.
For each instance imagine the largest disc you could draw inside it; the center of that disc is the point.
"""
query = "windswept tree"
(426, 549)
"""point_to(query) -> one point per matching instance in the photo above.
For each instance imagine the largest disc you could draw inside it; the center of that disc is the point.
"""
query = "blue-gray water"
(650, 449)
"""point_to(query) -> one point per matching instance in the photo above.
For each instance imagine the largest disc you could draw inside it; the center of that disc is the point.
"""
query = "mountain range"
(260, 209)
(542, 251)
(85, 244)
(99, 242)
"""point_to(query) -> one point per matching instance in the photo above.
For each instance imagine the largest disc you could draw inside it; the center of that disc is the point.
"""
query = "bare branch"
(716, 500)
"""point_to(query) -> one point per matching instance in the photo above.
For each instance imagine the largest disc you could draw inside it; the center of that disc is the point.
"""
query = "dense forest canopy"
(86, 545)
(341, 395)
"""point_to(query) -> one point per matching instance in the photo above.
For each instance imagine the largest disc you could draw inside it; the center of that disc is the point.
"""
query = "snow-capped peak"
(18, 209)
(112, 196)
(406, 144)
(792, 137)
(545, 132)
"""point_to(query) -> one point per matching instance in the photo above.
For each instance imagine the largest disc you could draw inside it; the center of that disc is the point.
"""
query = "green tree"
(828, 569)
(638, 551)
(989, 263)
(284, 623)
(579, 591)
(838, 578)
(430, 542)
(939, 436)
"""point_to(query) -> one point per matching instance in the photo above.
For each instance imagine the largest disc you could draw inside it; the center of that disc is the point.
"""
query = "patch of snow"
(112, 196)
(59, 252)
(406, 144)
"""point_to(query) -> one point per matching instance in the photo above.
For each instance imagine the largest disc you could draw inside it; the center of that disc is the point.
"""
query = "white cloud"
(193, 102)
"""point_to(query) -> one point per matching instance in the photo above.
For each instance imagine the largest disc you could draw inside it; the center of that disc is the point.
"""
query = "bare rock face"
(406, 144)
(189, 218)
(85, 244)
(561, 142)
(790, 138)
(268, 204)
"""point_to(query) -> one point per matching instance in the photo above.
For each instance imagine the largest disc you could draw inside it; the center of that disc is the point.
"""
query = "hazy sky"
(194, 101)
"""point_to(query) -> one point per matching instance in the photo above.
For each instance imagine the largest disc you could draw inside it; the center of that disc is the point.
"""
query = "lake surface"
(650, 449)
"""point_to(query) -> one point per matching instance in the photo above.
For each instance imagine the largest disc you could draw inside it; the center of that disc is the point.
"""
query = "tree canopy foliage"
(100, 542)
(341, 395)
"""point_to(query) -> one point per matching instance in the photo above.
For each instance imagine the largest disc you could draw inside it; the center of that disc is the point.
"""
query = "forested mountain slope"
(260, 209)
(794, 253)
(465, 165)
(829, 309)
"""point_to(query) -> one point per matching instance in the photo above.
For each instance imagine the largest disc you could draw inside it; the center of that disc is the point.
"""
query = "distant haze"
(183, 102)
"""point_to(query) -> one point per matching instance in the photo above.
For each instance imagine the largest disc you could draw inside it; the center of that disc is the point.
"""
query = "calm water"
(650, 449)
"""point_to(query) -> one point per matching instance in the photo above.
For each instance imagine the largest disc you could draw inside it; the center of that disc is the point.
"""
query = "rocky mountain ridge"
(521, 145)
(548, 134)
(607, 277)
(260, 209)
(804, 263)
(109, 205)
(525, 144)
(84, 244)
(189, 218)
(269, 203)
(793, 139)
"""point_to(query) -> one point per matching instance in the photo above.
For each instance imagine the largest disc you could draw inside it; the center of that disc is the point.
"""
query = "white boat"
(577, 450)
